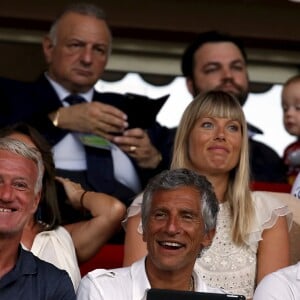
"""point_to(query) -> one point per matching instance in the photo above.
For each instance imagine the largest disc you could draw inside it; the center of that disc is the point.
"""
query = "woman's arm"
(134, 247)
(107, 212)
(273, 249)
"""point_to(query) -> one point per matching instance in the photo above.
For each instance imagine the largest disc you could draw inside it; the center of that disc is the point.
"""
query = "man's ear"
(144, 237)
(36, 201)
(47, 48)
(207, 238)
(190, 86)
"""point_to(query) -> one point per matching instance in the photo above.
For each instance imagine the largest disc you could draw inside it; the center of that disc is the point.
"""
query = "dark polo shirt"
(32, 278)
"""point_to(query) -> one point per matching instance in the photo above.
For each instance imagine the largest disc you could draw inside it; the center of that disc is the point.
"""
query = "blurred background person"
(290, 102)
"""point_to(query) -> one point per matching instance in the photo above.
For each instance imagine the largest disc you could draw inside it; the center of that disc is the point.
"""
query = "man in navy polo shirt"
(23, 275)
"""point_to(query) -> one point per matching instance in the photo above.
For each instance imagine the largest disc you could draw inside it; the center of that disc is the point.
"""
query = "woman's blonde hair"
(222, 105)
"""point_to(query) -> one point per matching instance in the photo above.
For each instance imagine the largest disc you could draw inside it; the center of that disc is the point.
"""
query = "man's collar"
(140, 282)
(252, 130)
(63, 93)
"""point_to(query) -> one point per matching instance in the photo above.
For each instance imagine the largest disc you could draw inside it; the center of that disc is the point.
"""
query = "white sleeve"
(273, 287)
(268, 207)
(87, 290)
(133, 210)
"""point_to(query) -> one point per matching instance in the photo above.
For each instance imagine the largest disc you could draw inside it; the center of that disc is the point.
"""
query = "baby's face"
(291, 108)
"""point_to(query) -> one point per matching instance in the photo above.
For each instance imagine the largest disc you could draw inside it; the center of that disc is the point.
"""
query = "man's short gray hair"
(20, 148)
(176, 178)
(85, 9)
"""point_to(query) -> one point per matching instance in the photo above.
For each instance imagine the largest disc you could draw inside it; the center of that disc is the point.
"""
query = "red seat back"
(110, 256)
(271, 187)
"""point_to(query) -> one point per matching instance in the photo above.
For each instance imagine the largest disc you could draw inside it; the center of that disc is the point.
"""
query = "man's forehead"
(218, 51)
(14, 161)
(80, 25)
(179, 197)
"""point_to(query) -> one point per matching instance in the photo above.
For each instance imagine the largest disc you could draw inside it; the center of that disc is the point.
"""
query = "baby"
(290, 100)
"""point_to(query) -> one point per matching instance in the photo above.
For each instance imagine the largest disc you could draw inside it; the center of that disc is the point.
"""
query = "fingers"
(132, 137)
(132, 148)
(108, 115)
(68, 182)
(62, 179)
(135, 142)
(138, 133)
(109, 110)
(97, 118)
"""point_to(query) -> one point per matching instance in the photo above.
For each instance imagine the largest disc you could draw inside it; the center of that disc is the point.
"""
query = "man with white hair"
(23, 275)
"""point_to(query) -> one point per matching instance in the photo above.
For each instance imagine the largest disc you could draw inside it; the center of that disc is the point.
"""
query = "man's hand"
(136, 143)
(94, 117)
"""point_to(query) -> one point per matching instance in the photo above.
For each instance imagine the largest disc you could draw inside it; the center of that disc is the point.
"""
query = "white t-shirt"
(283, 284)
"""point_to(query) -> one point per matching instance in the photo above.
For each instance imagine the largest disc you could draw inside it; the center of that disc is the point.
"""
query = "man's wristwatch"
(56, 118)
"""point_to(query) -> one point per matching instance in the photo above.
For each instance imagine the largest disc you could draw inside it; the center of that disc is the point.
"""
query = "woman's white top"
(224, 264)
(56, 247)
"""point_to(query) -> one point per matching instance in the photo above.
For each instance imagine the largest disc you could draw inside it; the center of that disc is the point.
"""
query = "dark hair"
(187, 60)
(48, 210)
(173, 179)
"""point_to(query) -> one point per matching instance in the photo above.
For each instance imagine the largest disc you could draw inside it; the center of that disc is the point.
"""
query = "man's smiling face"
(18, 199)
(175, 231)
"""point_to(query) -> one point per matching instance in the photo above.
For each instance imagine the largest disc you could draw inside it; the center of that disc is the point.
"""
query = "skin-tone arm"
(89, 236)
(134, 246)
(94, 117)
(273, 249)
(103, 120)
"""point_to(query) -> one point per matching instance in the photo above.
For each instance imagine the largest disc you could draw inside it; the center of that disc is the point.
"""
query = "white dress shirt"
(69, 153)
(283, 284)
(130, 283)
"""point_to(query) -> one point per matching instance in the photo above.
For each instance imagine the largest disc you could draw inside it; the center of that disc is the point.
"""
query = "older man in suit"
(93, 142)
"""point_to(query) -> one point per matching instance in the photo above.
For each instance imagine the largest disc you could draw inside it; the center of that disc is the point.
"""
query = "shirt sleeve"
(64, 289)
(268, 207)
(133, 210)
(87, 290)
(272, 287)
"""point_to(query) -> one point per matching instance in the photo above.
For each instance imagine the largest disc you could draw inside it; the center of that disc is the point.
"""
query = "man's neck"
(73, 89)
(172, 280)
(63, 91)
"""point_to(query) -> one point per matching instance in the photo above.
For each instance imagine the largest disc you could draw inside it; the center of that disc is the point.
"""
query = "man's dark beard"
(241, 97)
